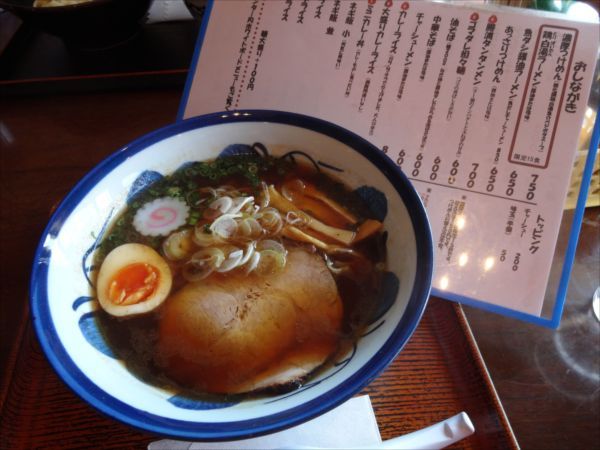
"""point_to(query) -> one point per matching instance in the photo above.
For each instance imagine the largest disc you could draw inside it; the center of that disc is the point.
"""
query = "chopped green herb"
(184, 184)
(174, 191)
(193, 218)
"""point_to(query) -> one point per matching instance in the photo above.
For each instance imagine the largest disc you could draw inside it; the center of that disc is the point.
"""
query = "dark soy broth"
(136, 339)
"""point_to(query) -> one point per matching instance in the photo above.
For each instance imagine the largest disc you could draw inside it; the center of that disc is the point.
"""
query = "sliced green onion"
(266, 197)
(249, 228)
(203, 263)
(270, 244)
(271, 220)
(203, 236)
(293, 218)
(270, 261)
(239, 203)
(218, 207)
(253, 263)
(179, 245)
(250, 248)
(225, 227)
(195, 272)
(232, 261)
(212, 255)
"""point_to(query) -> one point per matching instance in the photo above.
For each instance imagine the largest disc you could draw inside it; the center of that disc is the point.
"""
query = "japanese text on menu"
(467, 102)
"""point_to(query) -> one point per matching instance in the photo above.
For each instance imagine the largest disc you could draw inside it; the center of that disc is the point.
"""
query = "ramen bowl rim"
(111, 406)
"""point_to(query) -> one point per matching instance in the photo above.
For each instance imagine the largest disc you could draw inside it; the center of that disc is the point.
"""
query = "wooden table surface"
(48, 143)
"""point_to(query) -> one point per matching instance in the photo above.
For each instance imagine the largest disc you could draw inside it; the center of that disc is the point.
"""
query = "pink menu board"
(480, 106)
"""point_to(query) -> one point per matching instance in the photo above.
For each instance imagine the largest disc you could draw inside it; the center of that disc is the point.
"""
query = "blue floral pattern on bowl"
(375, 199)
(63, 270)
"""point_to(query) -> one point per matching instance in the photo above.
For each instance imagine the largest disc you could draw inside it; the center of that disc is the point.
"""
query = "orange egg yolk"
(133, 284)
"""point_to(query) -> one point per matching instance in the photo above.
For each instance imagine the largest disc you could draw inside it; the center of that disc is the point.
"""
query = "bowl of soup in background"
(85, 24)
(65, 307)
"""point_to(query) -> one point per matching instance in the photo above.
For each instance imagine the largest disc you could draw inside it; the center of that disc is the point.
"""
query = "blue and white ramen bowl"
(64, 304)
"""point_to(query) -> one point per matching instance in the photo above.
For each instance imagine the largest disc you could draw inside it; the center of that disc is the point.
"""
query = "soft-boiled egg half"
(133, 279)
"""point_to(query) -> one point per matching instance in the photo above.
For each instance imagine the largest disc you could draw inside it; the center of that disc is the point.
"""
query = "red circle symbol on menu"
(404, 6)
(474, 16)
(389, 3)
(372, 2)
(493, 19)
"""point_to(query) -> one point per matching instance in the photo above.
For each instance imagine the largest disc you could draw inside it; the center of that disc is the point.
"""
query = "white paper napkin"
(351, 424)
(168, 10)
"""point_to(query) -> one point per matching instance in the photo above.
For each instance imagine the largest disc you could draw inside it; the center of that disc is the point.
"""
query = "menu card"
(481, 107)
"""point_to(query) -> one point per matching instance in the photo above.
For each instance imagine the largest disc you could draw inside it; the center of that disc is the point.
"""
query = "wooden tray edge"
(485, 375)
(9, 370)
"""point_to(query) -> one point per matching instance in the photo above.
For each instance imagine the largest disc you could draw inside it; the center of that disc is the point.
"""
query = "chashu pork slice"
(238, 333)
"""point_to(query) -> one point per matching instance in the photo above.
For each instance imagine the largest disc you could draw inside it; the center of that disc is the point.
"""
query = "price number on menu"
(516, 259)
(532, 186)
(435, 168)
(453, 172)
(512, 183)
(474, 177)
(492, 179)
